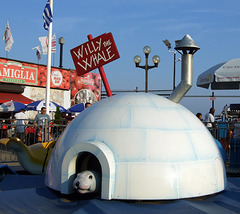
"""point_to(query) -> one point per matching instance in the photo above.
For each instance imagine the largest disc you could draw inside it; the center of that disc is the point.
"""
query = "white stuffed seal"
(87, 181)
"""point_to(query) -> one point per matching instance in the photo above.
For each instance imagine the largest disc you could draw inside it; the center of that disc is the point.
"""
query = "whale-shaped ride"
(34, 158)
(147, 147)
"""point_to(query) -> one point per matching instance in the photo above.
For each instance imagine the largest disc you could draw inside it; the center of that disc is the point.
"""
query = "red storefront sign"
(94, 54)
(33, 74)
(16, 72)
(90, 81)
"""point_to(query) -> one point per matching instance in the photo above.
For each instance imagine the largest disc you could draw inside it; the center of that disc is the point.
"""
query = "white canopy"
(224, 75)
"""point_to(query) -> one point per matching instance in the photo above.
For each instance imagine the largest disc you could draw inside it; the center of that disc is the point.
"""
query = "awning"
(5, 97)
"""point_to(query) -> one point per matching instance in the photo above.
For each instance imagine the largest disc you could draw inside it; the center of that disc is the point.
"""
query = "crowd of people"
(232, 125)
(209, 119)
(41, 129)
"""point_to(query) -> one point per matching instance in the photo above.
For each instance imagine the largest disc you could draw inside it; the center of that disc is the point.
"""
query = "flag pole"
(49, 62)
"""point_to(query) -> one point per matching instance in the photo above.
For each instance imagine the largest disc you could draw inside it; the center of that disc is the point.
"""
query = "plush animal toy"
(87, 181)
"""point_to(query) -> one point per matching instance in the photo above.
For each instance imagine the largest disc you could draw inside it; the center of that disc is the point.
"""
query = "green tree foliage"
(57, 116)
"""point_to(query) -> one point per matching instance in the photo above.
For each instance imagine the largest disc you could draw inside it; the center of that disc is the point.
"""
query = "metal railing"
(29, 134)
(224, 132)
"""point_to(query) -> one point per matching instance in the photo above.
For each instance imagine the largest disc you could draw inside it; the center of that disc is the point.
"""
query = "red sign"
(89, 81)
(24, 73)
(95, 53)
(16, 72)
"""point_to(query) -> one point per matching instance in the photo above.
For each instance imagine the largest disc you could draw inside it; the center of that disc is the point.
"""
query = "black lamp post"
(61, 42)
(137, 59)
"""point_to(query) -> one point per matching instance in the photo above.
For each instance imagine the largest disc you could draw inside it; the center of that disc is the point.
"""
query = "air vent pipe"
(186, 47)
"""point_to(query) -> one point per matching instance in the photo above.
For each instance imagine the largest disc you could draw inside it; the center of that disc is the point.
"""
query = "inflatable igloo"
(147, 147)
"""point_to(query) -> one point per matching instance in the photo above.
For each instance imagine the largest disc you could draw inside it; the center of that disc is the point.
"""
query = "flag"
(44, 42)
(38, 53)
(7, 36)
(47, 15)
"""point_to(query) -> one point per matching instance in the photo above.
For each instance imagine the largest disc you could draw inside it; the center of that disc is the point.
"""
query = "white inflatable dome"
(148, 147)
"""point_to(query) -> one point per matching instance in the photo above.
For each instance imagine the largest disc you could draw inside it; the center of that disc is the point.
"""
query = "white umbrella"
(37, 105)
(222, 76)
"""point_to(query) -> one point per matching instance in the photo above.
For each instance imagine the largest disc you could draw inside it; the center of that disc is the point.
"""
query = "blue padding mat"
(35, 197)
(5, 169)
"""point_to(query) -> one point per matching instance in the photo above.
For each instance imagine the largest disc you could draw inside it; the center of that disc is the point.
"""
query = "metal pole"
(146, 74)
(212, 100)
(61, 50)
(174, 70)
(47, 98)
(53, 59)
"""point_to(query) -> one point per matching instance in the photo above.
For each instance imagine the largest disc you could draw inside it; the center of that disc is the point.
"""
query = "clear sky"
(213, 25)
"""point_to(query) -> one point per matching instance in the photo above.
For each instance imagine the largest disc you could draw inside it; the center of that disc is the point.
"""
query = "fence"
(228, 134)
(29, 134)
(223, 132)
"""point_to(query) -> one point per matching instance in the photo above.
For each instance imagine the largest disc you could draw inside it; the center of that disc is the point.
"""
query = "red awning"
(5, 97)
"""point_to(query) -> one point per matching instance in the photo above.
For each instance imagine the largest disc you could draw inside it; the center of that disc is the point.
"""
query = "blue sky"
(213, 25)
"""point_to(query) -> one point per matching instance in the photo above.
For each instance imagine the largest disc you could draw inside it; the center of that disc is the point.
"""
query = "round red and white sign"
(57, 78)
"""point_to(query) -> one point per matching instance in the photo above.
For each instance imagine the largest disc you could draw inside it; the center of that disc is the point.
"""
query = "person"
(69, 116)
(63, 122)
(209, 118)
(21, 122)
(11, 128)
(4, 129)
(41, 119)
(30, 133)
(40, 134)
(199, 116)
(235, 128)
(87, 104)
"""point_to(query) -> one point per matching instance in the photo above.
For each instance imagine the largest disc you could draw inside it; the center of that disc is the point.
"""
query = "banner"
(8, 38)
(17, 72)
(44, 43)
(33, 74)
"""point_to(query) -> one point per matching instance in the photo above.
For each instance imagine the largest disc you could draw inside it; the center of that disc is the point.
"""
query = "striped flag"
(47, 15)
(7, 36)
(44, 42)
(54, 43)
(38, 52)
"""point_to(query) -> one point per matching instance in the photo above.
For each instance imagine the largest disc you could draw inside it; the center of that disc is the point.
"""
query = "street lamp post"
(137, 59)
(61, 41)
(168, 44)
